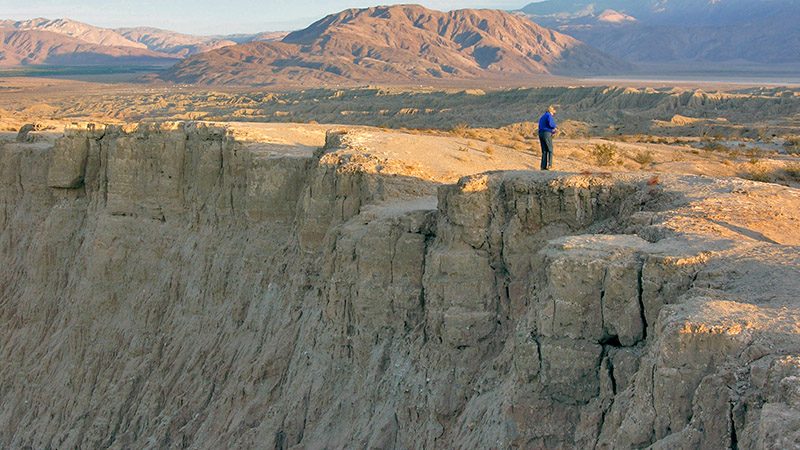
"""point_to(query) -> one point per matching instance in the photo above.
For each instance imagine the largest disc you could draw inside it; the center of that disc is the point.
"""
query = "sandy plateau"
(235, 283)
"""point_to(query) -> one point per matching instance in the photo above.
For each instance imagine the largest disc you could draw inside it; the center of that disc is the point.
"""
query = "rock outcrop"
(168, 286)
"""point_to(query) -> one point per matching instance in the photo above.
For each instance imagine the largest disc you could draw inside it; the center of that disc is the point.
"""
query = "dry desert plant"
(520, 146)
(644, 157)
(792, 145)
(714, 146)
(460, 129)
(605, 154)
(758, 172)
(793, 171)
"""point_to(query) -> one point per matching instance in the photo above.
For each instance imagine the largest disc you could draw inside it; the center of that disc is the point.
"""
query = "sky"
(212, 16)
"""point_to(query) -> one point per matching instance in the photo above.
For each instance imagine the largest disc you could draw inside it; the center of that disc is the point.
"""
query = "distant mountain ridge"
(183, 45)
(39, 47)
(400, 44)
(759, 31)
(172, 43)
(665, 12)
(408, 42)
(74, 29)
(43, 41)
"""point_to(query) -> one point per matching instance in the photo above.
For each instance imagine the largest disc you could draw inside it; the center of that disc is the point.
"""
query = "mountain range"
(72, 43)
(664, 31)
(410, 43)
(402, 43)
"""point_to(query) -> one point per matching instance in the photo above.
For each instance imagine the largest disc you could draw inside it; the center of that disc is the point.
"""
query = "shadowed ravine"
(167, 286)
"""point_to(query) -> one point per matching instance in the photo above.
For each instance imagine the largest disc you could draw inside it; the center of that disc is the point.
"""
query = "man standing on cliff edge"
(547, 128)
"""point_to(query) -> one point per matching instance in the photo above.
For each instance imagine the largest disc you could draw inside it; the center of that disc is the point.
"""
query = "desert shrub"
(758, 172)
(792, 145)
(604, 154)
(793, 172)
(788, 175)
(521, 146)
(573, 128)
(754, 154)
(460, 129)
(644, 157)
(522, 128)
(714, 146)
(765, 135)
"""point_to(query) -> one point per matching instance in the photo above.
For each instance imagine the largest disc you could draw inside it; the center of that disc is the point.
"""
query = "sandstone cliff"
(172, 286)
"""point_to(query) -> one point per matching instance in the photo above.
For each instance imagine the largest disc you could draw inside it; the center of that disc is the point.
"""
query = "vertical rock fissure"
(422, 294)
(19, 182)
(640, 292)
(733, 437)
(605, 409)
(103, 171)
(396, 433)
(391, 266)
(611, 376)
(280, 440)
(541, 207)
(538, 350)
(306, 401)
(602, 306)
(652, 431)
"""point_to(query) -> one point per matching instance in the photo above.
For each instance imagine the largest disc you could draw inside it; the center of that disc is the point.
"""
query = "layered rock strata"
(167, 286)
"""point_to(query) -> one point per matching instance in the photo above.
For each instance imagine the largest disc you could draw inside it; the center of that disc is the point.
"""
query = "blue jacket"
(547, 122)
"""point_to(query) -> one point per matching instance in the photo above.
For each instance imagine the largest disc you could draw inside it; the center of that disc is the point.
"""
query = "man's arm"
(552, 123)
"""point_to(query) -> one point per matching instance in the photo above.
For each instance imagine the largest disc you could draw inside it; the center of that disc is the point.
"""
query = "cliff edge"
(198, 286)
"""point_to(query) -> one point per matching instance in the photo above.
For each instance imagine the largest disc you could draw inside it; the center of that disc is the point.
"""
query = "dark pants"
(546, 139)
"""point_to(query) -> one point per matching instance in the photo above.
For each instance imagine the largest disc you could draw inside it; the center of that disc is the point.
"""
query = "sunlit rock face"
(169, 285)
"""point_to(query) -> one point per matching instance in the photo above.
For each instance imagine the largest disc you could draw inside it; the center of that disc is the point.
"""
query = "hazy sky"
(212, 16)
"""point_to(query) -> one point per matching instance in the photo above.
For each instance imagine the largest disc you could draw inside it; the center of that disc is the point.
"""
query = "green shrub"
(604, 154)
